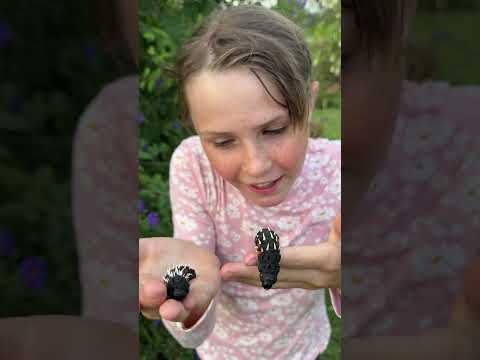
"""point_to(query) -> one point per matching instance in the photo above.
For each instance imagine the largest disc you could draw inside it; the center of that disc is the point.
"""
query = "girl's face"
(246, 135)
(370, 99)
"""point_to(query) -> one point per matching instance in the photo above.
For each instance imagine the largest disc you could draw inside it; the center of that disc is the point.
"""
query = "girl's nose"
(257, 162)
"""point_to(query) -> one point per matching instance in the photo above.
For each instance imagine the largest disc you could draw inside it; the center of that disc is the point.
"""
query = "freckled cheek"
(289, 155)
(227, 165)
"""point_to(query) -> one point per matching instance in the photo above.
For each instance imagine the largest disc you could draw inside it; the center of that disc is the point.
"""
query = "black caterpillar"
(269, 256)
(177, 279)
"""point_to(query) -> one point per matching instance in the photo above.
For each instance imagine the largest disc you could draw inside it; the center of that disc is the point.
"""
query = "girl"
(410, 160)
(245, 85)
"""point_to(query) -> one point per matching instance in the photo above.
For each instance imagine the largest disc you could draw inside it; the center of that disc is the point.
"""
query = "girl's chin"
(267, 202)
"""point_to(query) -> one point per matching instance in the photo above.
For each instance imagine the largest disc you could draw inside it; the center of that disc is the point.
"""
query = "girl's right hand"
(156, 256)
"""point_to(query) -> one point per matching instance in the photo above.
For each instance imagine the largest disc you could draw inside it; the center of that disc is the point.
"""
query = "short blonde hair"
(256, 38)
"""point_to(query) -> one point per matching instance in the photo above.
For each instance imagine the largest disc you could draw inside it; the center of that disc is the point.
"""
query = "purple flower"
(141, 206)
(152, 219)
(145, 147)
(141, 118)
(157, 322)
(33, 272)
(176, 124)
(5, 34)
(7, 242)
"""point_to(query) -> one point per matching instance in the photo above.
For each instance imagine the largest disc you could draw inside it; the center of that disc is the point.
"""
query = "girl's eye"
(275, 131)
(222, 144)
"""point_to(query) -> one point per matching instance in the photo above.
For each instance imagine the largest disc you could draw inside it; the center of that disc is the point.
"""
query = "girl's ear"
(314, 94)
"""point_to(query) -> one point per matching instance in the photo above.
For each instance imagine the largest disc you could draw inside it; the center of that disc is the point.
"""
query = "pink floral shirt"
(247, 322)
(403, 259)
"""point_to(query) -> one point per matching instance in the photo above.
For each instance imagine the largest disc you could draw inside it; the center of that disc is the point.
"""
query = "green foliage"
(442, 41)
(47, 81)
(164, 25)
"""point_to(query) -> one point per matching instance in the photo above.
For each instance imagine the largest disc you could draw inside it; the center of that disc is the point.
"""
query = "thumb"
(152, 291)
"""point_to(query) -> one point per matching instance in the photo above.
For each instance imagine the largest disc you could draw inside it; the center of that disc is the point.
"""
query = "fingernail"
(251, 261)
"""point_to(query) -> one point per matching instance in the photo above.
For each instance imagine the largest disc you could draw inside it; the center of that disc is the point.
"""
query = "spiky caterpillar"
(177, 279)
(268, 248)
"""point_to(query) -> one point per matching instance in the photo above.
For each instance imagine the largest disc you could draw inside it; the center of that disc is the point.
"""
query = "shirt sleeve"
(194, 336)
(192, 195)
(104, 196)
(192, 202)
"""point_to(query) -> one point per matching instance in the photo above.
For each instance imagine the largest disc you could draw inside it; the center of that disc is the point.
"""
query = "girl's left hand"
(307, 267)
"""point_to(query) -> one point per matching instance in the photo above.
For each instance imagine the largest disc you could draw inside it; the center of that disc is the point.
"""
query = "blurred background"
(442, 40)
(164, 25)
(52, 64)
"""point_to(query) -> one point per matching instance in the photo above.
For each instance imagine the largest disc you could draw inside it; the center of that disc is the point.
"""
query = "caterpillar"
(268, 248)
(177, 279)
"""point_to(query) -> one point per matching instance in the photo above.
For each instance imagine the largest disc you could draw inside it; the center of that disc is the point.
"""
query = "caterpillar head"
(177, 280)
(266, 239)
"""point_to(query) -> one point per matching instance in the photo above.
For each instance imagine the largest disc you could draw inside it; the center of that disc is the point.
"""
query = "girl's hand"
(307, 267)
(156, 256)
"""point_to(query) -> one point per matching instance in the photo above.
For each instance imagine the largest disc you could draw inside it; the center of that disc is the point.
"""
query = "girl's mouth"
(266, 188)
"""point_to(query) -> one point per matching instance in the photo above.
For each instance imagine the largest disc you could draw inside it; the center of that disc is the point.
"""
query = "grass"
(326, 123)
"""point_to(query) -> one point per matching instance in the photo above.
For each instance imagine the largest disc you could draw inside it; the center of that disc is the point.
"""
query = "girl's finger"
(315, 278)
(337, 226)
(251, 259)
(152, 293)
(151, 313)
(325, 256)
(173, 310)
(199, 294)
(278, 284)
